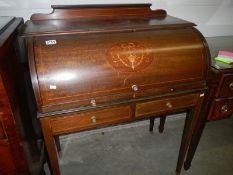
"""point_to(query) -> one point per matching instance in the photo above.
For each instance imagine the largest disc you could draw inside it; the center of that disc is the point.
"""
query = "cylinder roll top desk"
(93, 66)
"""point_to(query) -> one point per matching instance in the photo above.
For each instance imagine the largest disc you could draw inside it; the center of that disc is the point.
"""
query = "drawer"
(166, 104)
(221, 108)
(85, 120)
(226, 89)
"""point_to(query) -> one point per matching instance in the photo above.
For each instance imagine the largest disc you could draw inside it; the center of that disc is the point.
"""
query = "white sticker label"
(50, 42)
(52, 87)
(202, 95)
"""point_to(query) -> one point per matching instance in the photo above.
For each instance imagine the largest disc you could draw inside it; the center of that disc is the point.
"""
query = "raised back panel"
(99, 11)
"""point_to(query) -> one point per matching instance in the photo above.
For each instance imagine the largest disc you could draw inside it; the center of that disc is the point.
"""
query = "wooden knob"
(93, 119)
(169, 105)
(231, 86)
(93, 102)
(134, 87)
(224, 108)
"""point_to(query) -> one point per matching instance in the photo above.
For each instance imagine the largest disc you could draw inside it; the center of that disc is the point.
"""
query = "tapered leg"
(50, 145)
(161, 123)
(194, 143)
(152, 121)
(187, 124)
(48, 161)
(199, 130)
(191, 123)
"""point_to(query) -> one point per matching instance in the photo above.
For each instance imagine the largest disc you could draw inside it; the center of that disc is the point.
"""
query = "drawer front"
(226, 89)
(85, 120)
(166, 105)
(221, 108)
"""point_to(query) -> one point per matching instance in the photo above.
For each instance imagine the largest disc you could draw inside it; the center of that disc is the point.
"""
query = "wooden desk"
(94, 66)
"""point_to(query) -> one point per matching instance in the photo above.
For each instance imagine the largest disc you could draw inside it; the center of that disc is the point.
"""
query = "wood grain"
(94, 66)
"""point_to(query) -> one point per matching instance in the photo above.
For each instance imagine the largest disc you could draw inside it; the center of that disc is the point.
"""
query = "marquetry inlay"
(130, 56)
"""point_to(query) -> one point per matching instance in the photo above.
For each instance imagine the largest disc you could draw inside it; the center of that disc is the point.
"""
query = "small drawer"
(166, 104)
(83, 120)
(226, 89)
(221, 108)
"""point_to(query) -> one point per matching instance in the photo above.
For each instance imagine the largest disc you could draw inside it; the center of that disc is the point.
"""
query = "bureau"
(99, 65)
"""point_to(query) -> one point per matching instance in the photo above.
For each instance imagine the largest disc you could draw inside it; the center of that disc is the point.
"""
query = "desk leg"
(194, 143)
(162, 123)
(191, 122)
(50, 145)
(152, 121)
(187, 125)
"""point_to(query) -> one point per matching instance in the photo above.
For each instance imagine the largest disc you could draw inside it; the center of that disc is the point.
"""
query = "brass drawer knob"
(169, 105)
(231, 86)
(93, 119)
(224, 108)
(93, 102)
(134, 87)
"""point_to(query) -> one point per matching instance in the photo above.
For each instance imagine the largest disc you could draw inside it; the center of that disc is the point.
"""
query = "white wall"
(213, 17)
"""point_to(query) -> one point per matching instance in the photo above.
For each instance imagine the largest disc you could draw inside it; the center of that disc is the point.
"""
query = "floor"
(131, 149)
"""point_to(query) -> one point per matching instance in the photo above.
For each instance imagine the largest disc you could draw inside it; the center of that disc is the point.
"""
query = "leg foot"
(187, 165)
(177, 172)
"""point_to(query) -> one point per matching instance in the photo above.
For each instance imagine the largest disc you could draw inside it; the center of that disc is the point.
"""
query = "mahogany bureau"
(94, 66)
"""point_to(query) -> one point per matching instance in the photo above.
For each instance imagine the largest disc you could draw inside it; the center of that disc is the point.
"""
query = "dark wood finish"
(166, 104)
(12, 156)
(219, 103)
(85, 120)
(90, 68)
(220, 100)
(50, 145)
(162, 123)
(187, 125)
(221, 108)
(226, 89)
(116, 18)
(99, 11)
(152, 122)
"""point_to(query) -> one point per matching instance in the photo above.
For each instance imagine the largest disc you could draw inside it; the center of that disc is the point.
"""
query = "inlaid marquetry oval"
(129, 56)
